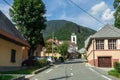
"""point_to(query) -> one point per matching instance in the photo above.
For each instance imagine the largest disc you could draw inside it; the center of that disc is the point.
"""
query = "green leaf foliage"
(63, 48)
(63, 29)
(30, 20)
(117, 13)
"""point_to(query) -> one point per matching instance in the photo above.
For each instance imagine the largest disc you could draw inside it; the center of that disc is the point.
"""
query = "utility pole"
(52, 41)
(94, 52)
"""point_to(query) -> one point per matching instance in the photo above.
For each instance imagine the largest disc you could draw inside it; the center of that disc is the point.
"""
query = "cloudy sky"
(63, 9)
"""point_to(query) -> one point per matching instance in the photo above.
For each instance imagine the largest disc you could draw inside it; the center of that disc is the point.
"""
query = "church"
(73, 48)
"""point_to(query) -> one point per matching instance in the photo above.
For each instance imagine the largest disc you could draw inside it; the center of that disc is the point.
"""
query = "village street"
(72, 70)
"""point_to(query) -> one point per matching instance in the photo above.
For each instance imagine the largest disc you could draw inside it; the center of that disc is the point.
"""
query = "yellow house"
(13, 47)
(103, 47)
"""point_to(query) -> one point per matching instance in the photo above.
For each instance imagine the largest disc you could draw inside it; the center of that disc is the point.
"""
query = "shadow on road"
(74, 61)
(60, 78)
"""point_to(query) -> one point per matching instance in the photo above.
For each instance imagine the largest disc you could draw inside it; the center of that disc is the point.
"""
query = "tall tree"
(117, 13)
(63, 48)
(30, 20)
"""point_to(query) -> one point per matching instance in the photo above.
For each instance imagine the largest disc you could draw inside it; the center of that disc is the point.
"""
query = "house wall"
(5, 53)
(25, 53)
(94, 54)
(50, 54)
(38, 50)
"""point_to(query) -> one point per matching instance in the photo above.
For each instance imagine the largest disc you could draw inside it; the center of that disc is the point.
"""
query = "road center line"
(71, 74)
(106, 77)
(71, 69)
(49, 70)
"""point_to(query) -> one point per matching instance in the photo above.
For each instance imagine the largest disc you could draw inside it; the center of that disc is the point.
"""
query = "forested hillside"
(63, 29)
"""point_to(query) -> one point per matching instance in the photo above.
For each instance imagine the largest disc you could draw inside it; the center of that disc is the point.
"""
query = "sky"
(102, 10)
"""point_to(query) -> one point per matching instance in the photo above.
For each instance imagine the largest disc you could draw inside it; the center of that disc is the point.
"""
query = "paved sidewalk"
(103, 71)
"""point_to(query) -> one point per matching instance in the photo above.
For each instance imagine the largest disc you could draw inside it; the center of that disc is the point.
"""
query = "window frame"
(13, 56)
(112, 44)
(99, 44)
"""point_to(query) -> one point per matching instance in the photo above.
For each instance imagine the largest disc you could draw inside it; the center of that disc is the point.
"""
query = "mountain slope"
(63, 29)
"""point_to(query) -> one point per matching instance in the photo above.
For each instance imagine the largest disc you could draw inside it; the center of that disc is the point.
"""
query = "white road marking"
(94, 70)
(101, 74)
(106, 77)
(49, 70)
(71, 69)
(36, 79)
(71, 74)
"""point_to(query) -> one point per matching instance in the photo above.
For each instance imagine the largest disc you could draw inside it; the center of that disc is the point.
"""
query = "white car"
(51, 59)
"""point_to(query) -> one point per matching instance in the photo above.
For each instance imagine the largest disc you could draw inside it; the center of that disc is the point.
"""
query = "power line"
(7, 3)
(90, 15)
(85, 12)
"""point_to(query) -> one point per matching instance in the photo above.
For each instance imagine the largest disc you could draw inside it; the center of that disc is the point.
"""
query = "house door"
(104, 61)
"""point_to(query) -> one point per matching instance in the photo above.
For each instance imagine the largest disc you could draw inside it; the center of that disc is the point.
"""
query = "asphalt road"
(71, 70)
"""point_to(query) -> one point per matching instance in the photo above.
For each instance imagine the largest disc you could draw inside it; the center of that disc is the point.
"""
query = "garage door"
(104, 61)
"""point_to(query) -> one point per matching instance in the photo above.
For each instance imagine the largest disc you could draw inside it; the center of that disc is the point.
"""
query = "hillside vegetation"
(63, 29)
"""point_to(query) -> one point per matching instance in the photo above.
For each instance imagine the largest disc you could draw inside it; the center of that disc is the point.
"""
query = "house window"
(13, 55)
(99, 44)
(112, 44)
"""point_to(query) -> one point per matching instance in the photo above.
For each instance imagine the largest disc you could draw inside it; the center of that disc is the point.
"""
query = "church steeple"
(74, 38)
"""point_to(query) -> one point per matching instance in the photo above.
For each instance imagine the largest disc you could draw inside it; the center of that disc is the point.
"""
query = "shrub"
(42, 63)
(117, 66)
(62, 59)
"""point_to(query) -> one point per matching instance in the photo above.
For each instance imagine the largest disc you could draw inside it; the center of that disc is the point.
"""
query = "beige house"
(103, 47)
(13, 47)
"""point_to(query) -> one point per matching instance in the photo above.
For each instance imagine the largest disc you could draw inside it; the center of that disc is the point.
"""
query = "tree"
(48, 46)
(117, 13)
(30, 20)
(63, 48)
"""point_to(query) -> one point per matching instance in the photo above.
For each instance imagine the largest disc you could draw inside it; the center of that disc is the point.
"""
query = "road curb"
(33, 74)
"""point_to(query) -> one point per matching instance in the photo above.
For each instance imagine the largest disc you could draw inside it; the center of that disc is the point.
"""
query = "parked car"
(51, 59)
(32, 61)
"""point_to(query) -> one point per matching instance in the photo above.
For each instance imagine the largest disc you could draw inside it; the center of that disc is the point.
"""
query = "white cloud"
(83, 20)
(107, 14)
(99, 7)
(5, 9)
(48, 14)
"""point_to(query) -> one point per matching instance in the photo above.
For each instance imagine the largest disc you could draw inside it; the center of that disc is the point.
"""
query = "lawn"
(23, 71)
(2, 77)
(114, 73)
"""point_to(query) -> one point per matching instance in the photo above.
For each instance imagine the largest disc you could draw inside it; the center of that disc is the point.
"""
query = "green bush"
(62, 59)
(117, 66)
(42, 63)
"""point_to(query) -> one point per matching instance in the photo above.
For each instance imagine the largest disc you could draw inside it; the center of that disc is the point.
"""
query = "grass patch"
(23, 71)
(114, 73)
(2, 77)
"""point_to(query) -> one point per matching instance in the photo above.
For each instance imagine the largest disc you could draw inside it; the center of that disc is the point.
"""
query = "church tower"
(74, 38)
